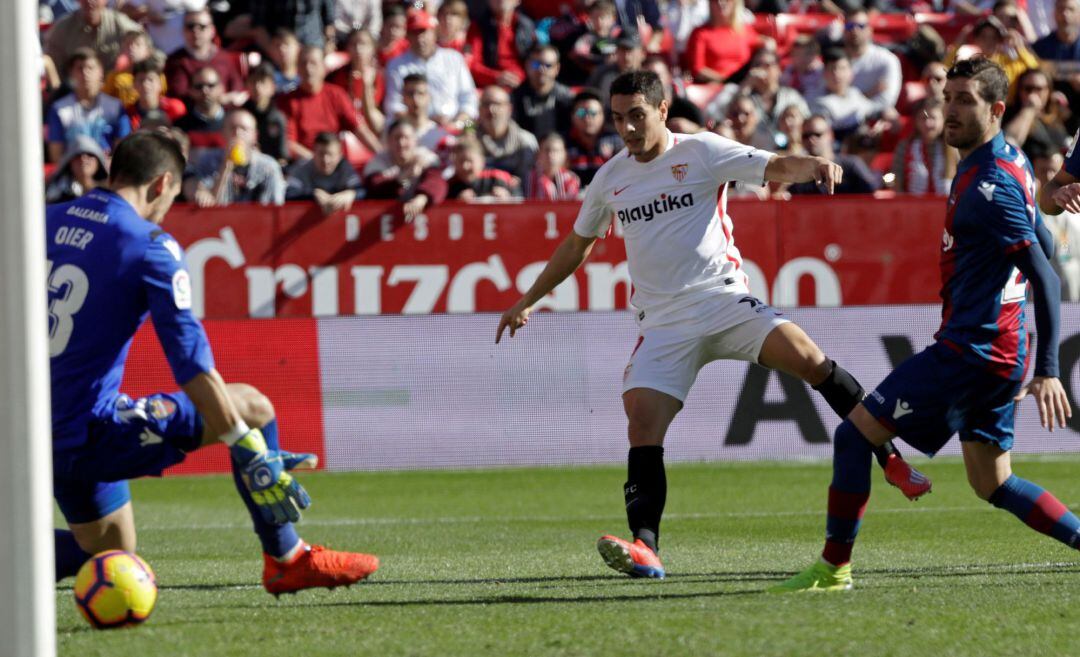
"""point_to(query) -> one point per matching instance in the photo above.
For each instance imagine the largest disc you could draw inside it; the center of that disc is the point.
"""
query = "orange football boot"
(634, 559)
(912, 483)
(316, 567)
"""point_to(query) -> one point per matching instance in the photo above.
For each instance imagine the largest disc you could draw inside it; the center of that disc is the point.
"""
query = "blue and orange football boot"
(634, 559)
(316, 567)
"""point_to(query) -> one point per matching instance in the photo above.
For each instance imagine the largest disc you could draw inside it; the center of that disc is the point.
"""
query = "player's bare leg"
(789, 349)
(649, 413)
(115, 531)
(290, 564)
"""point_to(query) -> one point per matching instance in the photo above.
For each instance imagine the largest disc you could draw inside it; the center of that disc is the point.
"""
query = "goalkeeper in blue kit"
(109, 266)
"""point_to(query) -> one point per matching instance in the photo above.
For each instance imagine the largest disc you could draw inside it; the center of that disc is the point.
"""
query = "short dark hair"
(834, 55)
(327, 138)
(586, 94)
(264, 71)
(147, 65)
(82, 55)
(993, 83)
(414, 77)
(646, 83)
(144, 155)
(541, 48)
(391, 9)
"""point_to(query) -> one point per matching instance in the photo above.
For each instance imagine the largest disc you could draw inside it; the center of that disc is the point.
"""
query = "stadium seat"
(702, 94)
(882, 162)
(893, 28)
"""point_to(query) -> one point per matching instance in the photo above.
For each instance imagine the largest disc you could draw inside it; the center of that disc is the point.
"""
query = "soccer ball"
(115, 589)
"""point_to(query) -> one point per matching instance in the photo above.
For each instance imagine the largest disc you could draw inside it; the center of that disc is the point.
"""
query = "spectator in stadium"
(269, 121)
(357, 15)
(934, 76)
(1063, 44)
(923, 163)
(80, 170)
(472, 181)
(148, 79)
(746, 126)
(505, 144)
(564, 32)
(1065, 226)
(453, 94)
(312, 21)
(1014, 19)
(51, 11)
(120, 82)
(1035, 113)
(284, 53)
(205, 121)
(237, 173)
(86, 110)
(362, 79)
(806, 72)
(588, 145)
(818, 140)
(93, 26)
(430, 135)
(201, 50)
(316, 107)
(790, 125)
(876, 71)
(1040, 14)
(327, 178)
(683, 115)
(550, 180)
(392, 41)
(162, 19)
(644, 17)
(762, 87)
(499, 39)
(843, 106)
(594, 47)
(1005, 48)
(722, 46)
(453, 29)
(682, 18)
(405, 171)
(542, 104)
(629, 56)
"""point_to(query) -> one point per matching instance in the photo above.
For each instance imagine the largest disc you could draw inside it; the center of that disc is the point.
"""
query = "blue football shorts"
(937, 393)
(139, 438)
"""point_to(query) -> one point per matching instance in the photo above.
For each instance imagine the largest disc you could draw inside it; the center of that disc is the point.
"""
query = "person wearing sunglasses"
(542, 104)
(200, 50)
(205, 121)
(589, 145)
(876, 70)
(93, 26)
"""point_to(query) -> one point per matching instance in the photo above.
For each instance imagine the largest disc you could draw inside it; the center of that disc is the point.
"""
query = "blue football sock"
(848, 493)
(1039, 509)
(69, 556)
(276, 540)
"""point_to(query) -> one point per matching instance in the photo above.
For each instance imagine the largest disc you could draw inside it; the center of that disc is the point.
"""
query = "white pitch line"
(454, 520)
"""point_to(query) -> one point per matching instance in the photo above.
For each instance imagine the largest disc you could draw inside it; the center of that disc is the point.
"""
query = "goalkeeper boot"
(316, 567)
(634, 559)
(822, 576)
(912, 483)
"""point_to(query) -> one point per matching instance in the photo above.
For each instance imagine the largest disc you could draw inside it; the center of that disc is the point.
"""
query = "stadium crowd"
(338, 100)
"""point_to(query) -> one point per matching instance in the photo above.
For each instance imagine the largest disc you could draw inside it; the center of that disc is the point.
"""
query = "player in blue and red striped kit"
(970, 380)
(111, 265)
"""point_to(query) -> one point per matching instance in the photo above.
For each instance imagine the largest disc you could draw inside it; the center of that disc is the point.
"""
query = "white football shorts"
(727, 327)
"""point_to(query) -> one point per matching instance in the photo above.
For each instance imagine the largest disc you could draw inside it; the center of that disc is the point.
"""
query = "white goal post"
(27, 606)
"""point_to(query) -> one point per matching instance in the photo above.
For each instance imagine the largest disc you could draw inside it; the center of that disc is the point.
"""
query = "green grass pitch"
(502, 562)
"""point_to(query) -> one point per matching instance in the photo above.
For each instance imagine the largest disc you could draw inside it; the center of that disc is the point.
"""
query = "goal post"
(27, 606)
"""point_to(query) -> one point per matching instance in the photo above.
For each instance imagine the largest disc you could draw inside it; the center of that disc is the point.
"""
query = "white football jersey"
(673, 213)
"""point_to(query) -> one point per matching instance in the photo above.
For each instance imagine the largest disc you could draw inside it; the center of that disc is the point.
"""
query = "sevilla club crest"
(679, 171)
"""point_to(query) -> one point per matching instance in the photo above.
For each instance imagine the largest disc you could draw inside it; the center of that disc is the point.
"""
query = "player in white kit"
(691, 300)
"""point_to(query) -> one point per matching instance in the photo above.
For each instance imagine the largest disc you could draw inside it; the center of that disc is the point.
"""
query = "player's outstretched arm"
(264, 471)
(1061, 193)
(804, 168)
(567, 257)
(1045, 386)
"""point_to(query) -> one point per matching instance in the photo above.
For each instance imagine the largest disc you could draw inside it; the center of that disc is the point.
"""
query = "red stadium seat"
(893, 28)
(882, 162)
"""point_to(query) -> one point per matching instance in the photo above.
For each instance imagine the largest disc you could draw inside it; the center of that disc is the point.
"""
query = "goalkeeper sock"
(277, 540)
(69, 556)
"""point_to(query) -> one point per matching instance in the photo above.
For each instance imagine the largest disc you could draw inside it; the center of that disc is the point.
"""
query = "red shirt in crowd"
(180, 67)
(173, 108)
(399, 47)
(509, 58)
(308, 114)
(720, 48)
(354, 86)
